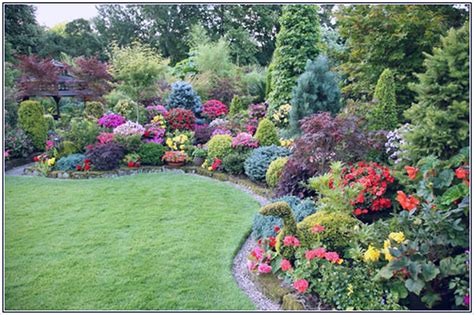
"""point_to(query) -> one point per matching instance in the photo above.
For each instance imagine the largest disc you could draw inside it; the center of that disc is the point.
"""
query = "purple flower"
(129, 129)
(221, 131)
(111, 121)
(466, 299)
(155, 110)
(245, 140)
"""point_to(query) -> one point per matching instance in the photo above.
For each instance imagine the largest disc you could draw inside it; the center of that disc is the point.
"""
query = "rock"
(65, 175)
(292, 303)
(270, 285)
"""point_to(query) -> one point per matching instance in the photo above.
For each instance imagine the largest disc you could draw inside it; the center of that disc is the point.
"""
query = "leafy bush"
(236, 106)
(31, 120)
(82, 133)
(94, 109)
(257, 163)
(440, 117)
(317, 90)
(151, 153)
(67, 148)
(324, 139)
(106, 156)
(202, 134)
(234, 163)
(274, 171)
(183, 96)
(69, 162)
(219, 146)
(131, 111)
(258, 111)
(180, 119)
(384, 114)
(213, 109)
(264, 226)
(17, 143)
(129, 143)
(50, 122)
(266, 133)
(225, 88)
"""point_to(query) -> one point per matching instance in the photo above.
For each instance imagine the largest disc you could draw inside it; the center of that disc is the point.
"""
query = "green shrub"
(17, 143)
(236, 106)
(82, 133)
(219, 146)
(129, 143)
(151, 153)
(50, 122)
(69, 162)
(257, 163)
(67, 148)
(340, 229)
(263, 226)
(32, 121)
(94, 109)
(266, 133)
(383, 114)
(234, 163)
(132, 111)
(274, 171)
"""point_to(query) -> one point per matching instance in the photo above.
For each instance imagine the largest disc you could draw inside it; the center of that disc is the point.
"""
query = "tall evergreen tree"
(296, 43)
(440, 117)
(383, 115)
(317, 90)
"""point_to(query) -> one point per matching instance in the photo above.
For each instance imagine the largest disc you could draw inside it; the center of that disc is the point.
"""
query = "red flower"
(78, 167)
(216, 164)
(318, 252)
(285, 265)
(317, 229)
(272, 242)
(412, 172)
(301, 285)
(276, 229)
(462, 173)
(332, 257)
(408, 203)
(87, 167)
(36, 158)
(87, 161)
(291, 241)
(131, 164)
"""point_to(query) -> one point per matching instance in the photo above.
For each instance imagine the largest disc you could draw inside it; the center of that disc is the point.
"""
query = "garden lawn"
(146, 242)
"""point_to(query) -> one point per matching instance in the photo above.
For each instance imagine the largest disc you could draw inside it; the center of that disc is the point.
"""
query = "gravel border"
(18, 171)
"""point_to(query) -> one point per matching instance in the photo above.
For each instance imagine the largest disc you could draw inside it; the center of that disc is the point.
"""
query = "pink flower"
(285, 265)
(290, 240)
(6, 153)
(318, 252)
(332, 257)
(264, 268)
(49, 145)
(301, 285)
(257, 253)
(251, 265)
(317, 229)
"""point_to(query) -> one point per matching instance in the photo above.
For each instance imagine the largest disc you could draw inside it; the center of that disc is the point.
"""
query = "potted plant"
(199, 155)
(175, 158)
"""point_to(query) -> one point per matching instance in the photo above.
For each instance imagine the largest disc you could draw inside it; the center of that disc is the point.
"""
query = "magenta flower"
(49, 145)
(264, 268)
(332, 257)
(244, 140)
(290, 240)
(285, 265)
(318, 252)
(111, 121)
(257, 253)
(466, 300)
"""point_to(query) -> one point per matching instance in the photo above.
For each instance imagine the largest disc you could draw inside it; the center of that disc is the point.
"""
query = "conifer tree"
(383, 115)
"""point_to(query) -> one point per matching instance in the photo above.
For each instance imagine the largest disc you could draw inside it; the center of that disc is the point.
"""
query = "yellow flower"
(397, 237)
(386, 251)
(209, 168)
(181, 147)
(371, 254)
(350, 289)
(340, 261)
(51, 161)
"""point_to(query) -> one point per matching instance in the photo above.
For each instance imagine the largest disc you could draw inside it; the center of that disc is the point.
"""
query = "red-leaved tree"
(93, 77)
(38, 76)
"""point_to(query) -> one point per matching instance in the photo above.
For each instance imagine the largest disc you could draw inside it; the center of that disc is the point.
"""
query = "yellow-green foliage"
(274, 171)
(335, 199)
(94, 109)
(32, 121)
(219, 146)
(266, 133)
(50, 121)
(339, 230)
(236, 106)
(67, 148)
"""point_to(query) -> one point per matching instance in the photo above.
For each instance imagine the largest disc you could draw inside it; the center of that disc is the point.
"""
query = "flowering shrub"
(17, 143)
(258, 111)
(44, 163)
(375, 180)
(132, 160)
(213, 109)
(174, 157)
(180, 119)
(244, 141)
(280, 116)
(129, 129)
(111, 121)
(395, 143)
(154, 133)
(221, 131)
(84, 166)
(155, 110)
(179, 141)
(105, 137)
(218, 122)
(159, 120)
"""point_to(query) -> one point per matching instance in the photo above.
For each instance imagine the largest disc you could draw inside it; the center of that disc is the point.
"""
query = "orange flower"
(462, 173)
(412, 172)
(408, 203)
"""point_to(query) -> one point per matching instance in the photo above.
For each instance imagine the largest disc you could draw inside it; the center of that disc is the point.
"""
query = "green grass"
(145, 242)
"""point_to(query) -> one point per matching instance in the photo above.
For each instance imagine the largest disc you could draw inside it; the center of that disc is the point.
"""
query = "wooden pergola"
(67, 86)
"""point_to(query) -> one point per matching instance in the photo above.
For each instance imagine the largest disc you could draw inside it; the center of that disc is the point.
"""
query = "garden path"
(18, 171)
